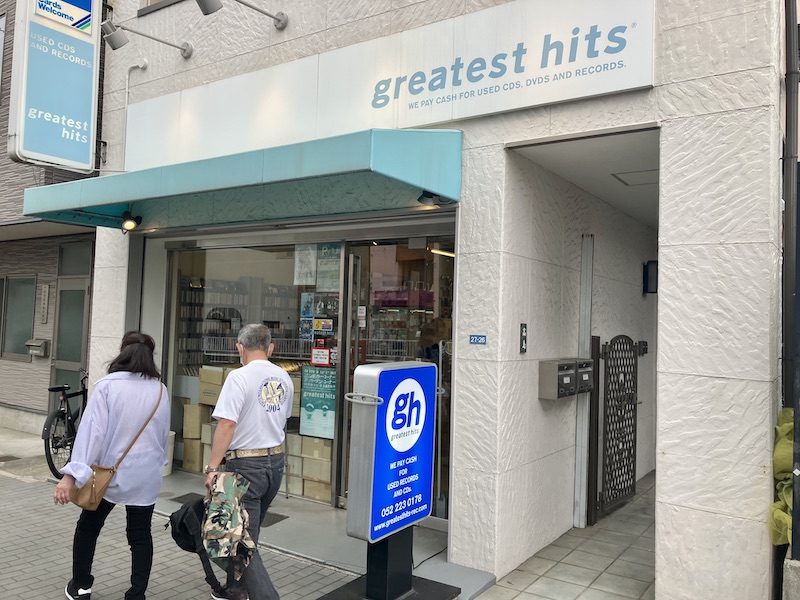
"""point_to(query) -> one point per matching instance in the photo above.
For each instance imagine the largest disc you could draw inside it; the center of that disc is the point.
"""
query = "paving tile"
(632, 570)
(588, 560)
(650, 592)
(585, 532)
(569, 541)
(553, 553)
(536, 565)
(603, 548)
(593, 594)
(518, 579)
(650, 532)
(643, 557)
(633, 517)
(644, 543)
(573, 574)
(497, 592)
(614, 537)
(555, 589)
(630, 588)
(627, 527)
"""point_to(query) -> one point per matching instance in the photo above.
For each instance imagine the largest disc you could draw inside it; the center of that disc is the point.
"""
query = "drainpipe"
(142, 64)
(791, 333)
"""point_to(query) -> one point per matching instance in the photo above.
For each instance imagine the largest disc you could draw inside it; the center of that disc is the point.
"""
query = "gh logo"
(406, 411)
(405, 414)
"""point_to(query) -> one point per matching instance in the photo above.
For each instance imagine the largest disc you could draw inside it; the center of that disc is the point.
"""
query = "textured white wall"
(109, 291)
(717, 99)
(520, 452)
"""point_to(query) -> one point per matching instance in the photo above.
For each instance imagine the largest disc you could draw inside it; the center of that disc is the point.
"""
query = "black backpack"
(187, 531)
(187, 525)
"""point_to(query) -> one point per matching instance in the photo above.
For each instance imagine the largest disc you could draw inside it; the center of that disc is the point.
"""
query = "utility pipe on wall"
(791, 319)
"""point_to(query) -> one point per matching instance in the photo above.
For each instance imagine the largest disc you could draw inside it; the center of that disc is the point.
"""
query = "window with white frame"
(18, 294)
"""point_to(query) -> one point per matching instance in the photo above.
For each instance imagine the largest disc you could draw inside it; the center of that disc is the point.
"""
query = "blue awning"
(262, 181)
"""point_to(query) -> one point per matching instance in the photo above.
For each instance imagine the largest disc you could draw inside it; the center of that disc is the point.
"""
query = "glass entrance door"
(71, 327)
(399, 308)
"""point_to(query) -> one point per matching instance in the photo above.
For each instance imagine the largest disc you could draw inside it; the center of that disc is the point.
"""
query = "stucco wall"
(512, 451)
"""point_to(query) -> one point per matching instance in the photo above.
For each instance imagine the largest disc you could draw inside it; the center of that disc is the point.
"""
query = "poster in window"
(328, 267)
(305, 264)
(306, 329)
(318, 401)
(307, 305)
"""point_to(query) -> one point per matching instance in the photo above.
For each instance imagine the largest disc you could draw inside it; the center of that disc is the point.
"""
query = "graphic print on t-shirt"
(272, 394)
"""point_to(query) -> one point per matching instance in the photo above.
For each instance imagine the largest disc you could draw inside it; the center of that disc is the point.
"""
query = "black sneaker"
(75, 593)
(226, 594)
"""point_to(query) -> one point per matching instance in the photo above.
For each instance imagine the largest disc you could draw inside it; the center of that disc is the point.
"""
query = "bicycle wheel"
(57, 442)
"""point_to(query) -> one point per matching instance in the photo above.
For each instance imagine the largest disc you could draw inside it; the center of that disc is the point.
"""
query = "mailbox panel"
(557, 379)
(585, 374)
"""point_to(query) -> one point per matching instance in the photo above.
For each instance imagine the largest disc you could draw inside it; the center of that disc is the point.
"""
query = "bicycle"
(61, 425)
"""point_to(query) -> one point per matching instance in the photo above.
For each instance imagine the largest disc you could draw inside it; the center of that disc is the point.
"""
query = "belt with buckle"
(254, 452)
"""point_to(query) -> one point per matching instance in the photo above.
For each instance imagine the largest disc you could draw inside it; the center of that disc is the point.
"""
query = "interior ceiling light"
(129, 222)
(443, 252)
(211, 6)
(115, 38)
(632, 178)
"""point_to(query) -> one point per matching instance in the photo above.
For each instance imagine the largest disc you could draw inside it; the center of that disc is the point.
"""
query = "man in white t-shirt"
(252, 409)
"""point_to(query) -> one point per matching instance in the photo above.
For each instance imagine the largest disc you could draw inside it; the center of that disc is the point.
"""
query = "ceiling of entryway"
(620, 169)
(36, 228)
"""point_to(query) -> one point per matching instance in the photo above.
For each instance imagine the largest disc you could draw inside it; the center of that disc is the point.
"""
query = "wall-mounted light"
(115, 37)
(211, 6)
(129, 222)
(427, 198)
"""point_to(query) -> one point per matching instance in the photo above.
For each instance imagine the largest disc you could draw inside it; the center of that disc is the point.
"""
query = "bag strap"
(152, 414)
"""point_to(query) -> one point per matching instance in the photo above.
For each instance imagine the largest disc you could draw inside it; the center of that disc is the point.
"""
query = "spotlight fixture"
(211, 6)
(129, 222)
(427, 198)
(115, 37)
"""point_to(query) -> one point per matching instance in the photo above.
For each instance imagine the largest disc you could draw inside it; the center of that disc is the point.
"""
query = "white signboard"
(54, 83)
(518, 55)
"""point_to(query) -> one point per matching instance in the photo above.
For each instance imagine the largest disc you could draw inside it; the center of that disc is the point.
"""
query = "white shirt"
(119, 406)
(258, 398)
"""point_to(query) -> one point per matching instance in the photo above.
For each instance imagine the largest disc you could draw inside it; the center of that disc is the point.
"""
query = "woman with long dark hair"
(119, 406)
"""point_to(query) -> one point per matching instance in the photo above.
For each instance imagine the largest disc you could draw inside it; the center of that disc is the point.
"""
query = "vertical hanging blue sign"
(59, 123)
(54, 84)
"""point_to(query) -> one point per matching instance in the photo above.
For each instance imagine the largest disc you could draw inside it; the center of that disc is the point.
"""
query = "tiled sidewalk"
(37, 565)
(614, 560)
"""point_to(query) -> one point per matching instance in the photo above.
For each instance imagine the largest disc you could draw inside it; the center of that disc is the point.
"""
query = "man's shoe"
(226, 594)
(73, 592)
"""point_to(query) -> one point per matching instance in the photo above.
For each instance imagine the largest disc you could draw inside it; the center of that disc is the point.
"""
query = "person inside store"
(251, 412)
(122, 400)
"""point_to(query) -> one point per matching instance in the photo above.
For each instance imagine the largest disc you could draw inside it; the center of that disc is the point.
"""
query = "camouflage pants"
(263, 473)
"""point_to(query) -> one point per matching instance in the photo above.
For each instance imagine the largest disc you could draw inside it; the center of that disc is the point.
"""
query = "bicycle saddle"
(59, 388)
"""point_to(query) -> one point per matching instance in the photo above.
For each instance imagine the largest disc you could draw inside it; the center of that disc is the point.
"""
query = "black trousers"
(140, 539)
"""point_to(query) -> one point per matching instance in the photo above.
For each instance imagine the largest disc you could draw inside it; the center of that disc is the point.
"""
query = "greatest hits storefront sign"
(54, 84)
(509, 57)
(391, 450)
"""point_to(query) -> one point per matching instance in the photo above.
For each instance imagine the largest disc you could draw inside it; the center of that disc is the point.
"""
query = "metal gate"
(619, 421)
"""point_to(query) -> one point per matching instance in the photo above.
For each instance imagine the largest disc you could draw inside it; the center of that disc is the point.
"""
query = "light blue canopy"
(369, 170)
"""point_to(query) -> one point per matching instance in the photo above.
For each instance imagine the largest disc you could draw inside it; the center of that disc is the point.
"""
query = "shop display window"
(295, 292)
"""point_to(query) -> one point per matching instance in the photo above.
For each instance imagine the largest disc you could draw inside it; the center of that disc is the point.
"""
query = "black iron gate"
(619, 421)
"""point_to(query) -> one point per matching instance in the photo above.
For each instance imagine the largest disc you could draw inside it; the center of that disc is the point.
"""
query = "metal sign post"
(391, 477)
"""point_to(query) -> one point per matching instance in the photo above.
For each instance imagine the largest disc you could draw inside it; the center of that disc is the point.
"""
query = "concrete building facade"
(709, 134)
